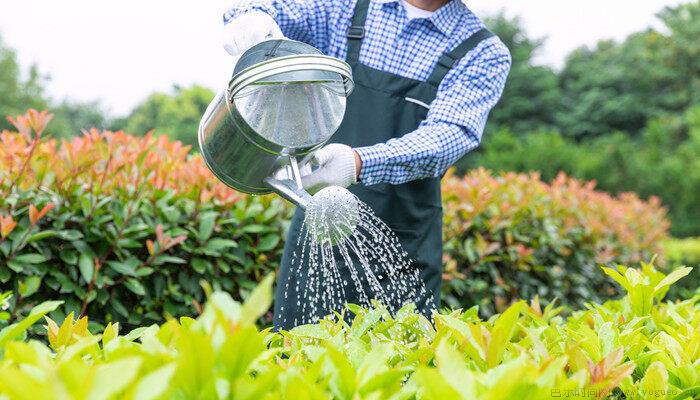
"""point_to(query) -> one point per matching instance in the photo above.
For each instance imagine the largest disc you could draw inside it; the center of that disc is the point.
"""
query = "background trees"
(624, 114)
(18, 93)
(176, 114)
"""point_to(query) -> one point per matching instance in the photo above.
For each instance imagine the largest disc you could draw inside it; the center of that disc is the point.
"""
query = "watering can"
(284, 101)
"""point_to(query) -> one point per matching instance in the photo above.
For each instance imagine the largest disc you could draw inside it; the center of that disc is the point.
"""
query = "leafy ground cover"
(123, 228)
(638, 347)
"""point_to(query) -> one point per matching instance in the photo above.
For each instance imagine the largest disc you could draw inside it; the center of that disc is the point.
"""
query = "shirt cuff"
(373, 162)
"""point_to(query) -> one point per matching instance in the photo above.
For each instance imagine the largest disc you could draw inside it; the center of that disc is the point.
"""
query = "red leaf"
(7, 224)
(33, 214)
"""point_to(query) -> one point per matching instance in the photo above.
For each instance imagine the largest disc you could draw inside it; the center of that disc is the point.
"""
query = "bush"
(513, 236)
(124, 228)
(636, 347)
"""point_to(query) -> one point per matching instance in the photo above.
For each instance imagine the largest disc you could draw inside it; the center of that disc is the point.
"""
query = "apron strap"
(449, 59)
(356, 32)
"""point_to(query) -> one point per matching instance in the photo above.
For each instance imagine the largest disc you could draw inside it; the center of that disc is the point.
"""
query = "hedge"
(123, 228)
(514, 236)
(638, 347)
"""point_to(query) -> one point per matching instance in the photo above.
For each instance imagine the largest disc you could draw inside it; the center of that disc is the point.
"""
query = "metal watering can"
(285, 100)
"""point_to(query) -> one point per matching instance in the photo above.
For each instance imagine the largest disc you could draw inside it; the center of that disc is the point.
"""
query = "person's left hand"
(336, 165)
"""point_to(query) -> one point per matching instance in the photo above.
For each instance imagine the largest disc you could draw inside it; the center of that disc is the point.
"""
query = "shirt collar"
(446, 18)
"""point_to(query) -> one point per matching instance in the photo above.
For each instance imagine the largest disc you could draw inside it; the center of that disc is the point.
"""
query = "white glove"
(249, 29)
(335, 167)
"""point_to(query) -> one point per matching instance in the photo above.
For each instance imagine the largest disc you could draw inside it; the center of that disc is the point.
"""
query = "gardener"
(426, 75)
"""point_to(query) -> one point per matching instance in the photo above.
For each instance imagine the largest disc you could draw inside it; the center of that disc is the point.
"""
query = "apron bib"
(383, 106)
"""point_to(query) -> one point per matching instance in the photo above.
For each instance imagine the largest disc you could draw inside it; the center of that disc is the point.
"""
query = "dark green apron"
(378, 111)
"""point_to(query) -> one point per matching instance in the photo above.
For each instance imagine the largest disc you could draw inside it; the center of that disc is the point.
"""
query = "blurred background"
(602, 90)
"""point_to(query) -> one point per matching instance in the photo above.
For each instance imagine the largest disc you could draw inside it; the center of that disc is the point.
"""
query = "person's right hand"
(249, 29)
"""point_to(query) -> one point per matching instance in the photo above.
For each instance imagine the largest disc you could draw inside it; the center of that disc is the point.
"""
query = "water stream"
(349, 255)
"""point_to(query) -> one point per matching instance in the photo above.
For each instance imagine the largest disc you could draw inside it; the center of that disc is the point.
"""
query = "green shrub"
(637, 347)
(124, 228)
(513, 236)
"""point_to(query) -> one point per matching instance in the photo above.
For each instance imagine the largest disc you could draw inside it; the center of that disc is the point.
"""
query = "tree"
(176, 114)
(71, 117)
(622, 86)
(530, 99)
(17, 94)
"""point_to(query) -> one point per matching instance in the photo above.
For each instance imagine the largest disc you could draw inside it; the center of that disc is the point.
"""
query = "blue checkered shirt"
(409, 48)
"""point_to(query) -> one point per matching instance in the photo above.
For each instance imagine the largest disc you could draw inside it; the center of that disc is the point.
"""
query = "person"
(427, 73)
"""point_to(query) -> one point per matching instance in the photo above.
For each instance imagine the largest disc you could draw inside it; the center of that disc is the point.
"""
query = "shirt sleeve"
(454, 124)
(307, 21)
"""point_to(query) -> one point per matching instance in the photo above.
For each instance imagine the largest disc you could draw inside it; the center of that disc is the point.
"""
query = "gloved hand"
(337, 165)
(249, 29)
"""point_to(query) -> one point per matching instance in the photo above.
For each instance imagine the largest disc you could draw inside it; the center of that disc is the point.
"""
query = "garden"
(570, 269)
(133, 273)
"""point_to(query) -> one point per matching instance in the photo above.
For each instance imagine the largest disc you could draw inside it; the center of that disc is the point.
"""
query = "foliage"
(514, 236)
(621, 113)
(683, 251)
(527, 352)
(679, 252)
(123, 228)
(176, 114)
(71, 118)
(662, 161)
(18, 92)
(531, 99)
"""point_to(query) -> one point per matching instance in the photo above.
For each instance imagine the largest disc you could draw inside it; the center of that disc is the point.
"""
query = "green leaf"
(343, 381)
(503, 330)
(135, 286)
(259, 300)
(15, 330)
(618, 278)
(18, 267)
(268, 242)
(123, 268)
(433, 385)
(69, 256)
(71, 234)
(200, 265)
(655, 379)
(87, 267)
(672, 278)
(254, 228)
(217, 244)
(29, 286)
(32, 258)
(112, 378)
(41, 235)
(119, 307)
(461, 332)
(453, 367)
(155, 384)
(206, 225)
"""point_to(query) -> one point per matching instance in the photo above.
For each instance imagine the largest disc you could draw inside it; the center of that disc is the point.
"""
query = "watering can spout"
(287, 183)
(289, 190)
